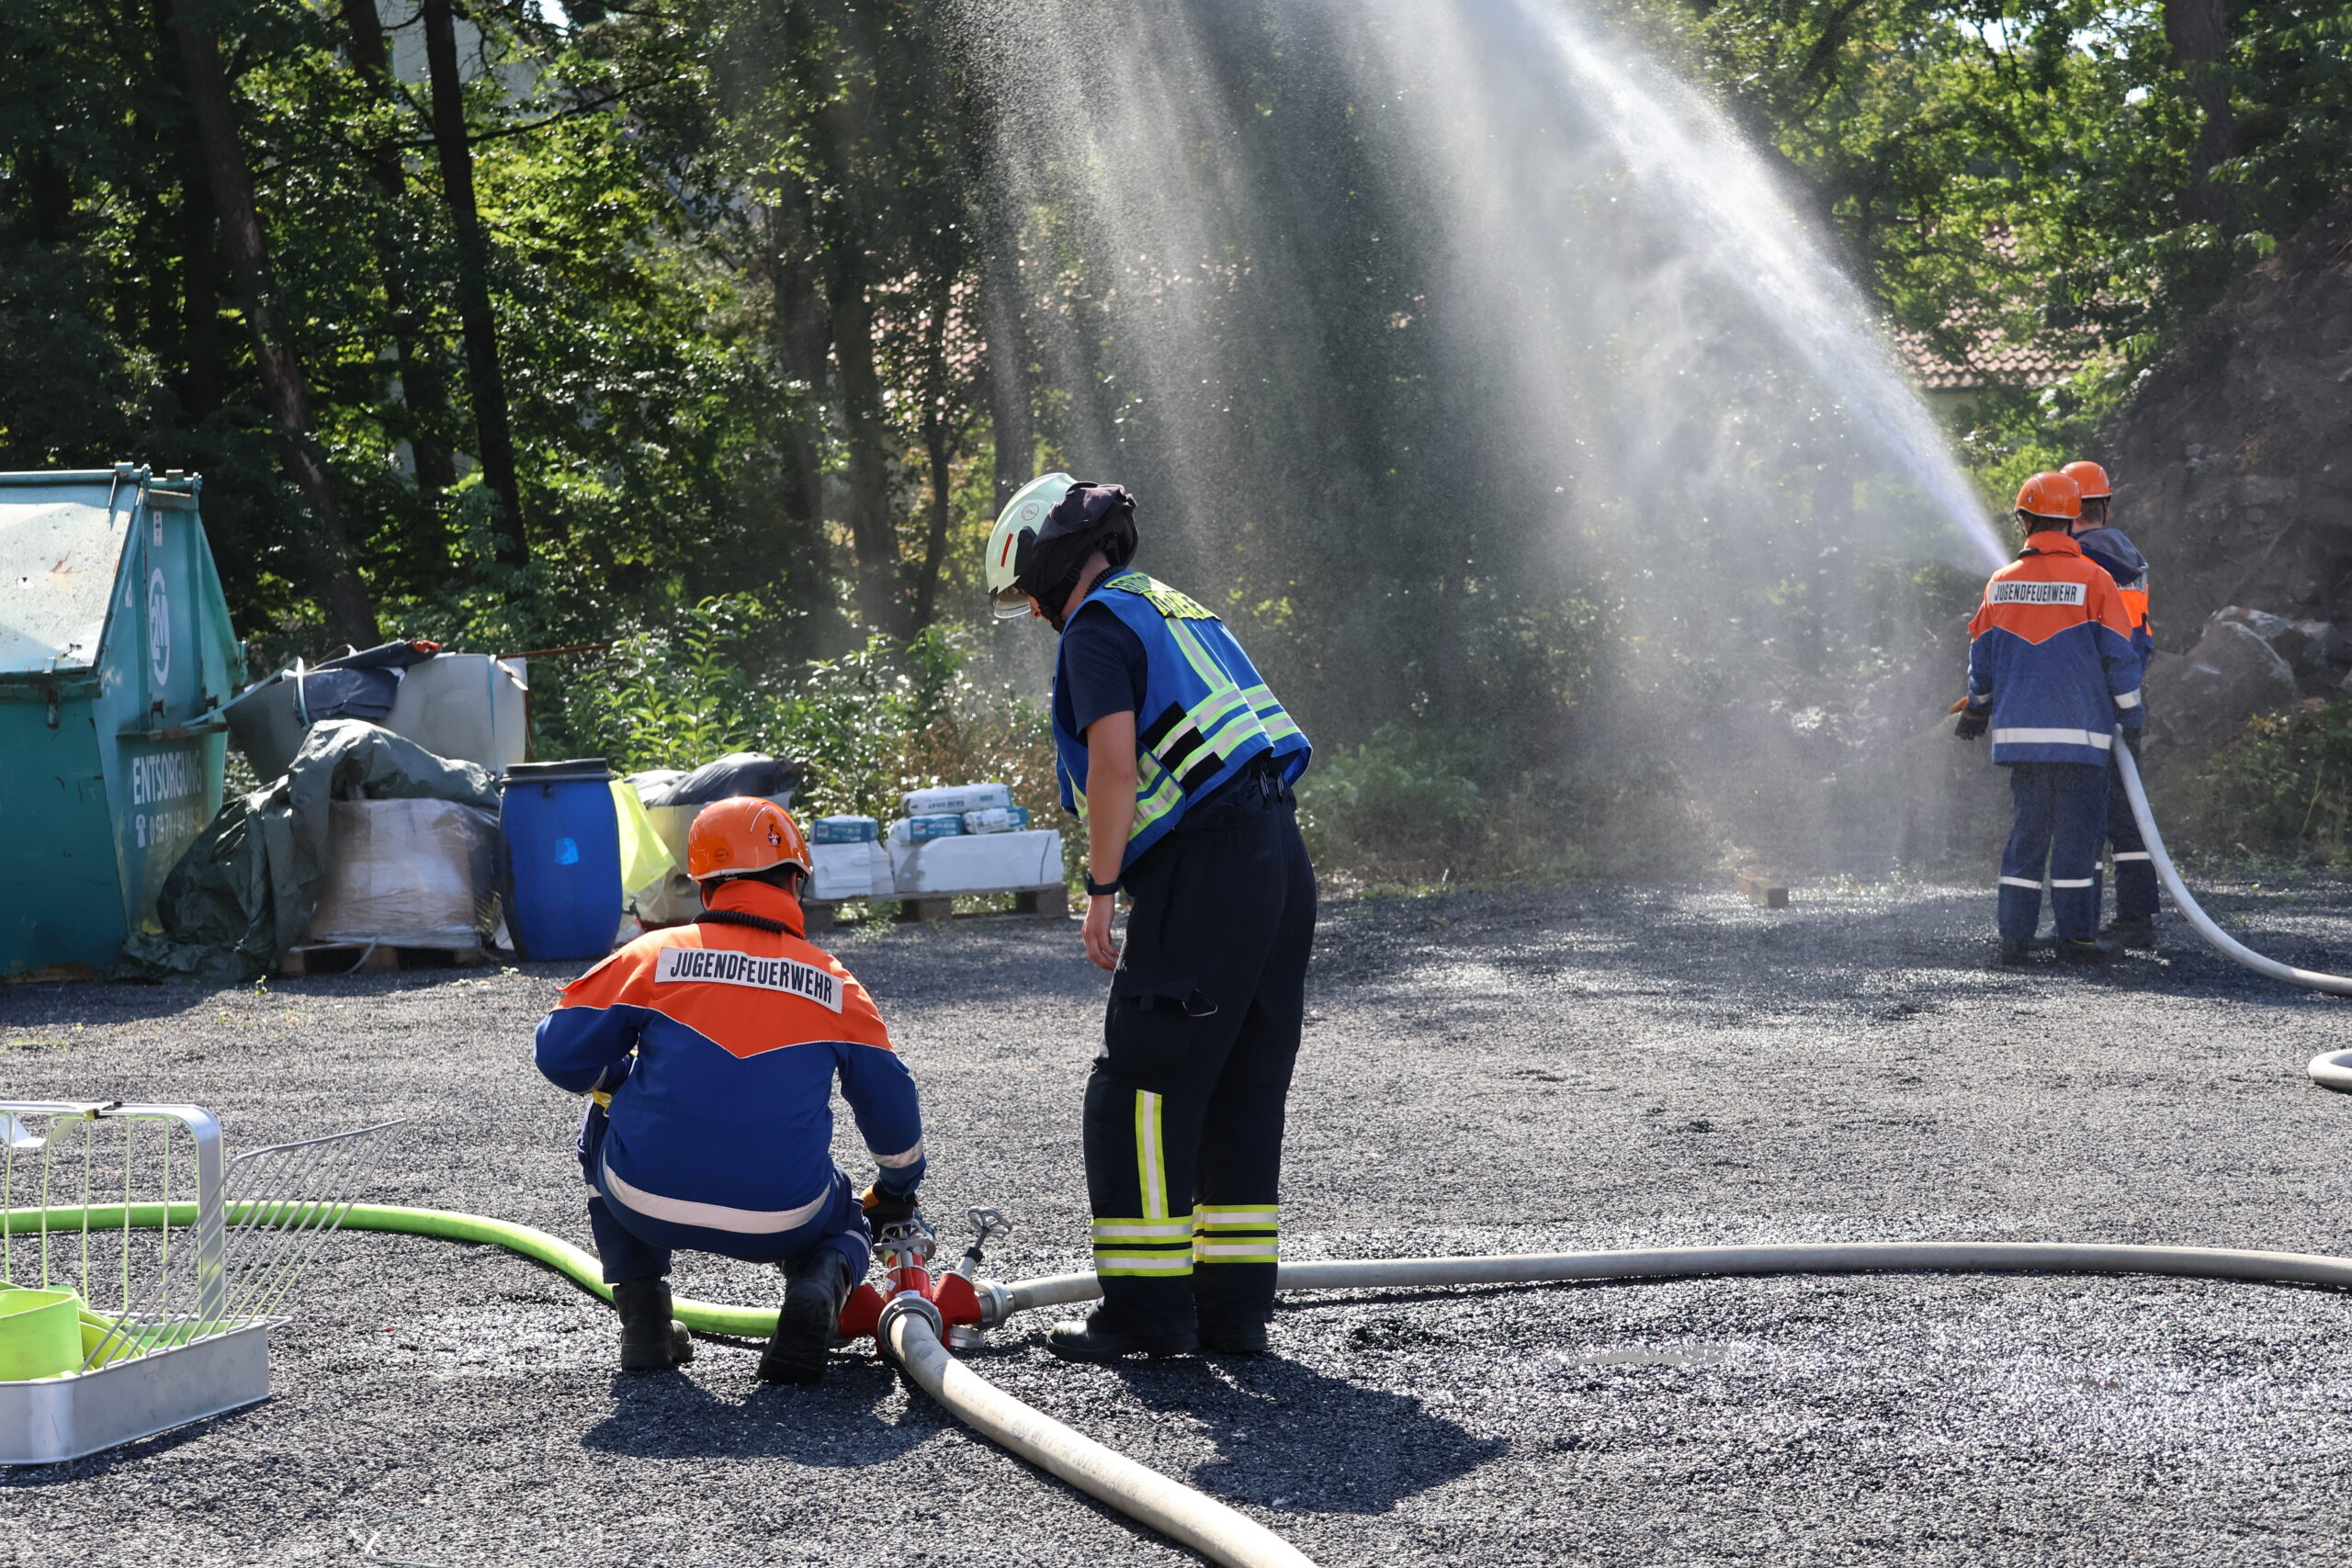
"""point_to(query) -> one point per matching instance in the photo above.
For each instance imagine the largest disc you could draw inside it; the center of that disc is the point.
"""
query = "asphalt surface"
(1575, 1068)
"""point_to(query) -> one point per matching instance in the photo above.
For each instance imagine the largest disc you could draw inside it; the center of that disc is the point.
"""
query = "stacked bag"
(953, 810)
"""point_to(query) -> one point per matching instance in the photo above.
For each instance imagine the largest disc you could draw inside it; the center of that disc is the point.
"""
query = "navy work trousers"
(2135, 869)
(2061, 821)
(1183, 1123)
(631, 1245)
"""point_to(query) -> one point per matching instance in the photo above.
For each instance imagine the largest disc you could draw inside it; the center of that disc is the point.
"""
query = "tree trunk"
(423, 395)
(1004, 304)
(287, 392)
(879, 600)
(201, 375)
(802, 341)
(2199, 31)
(494, 434)
(939, 449)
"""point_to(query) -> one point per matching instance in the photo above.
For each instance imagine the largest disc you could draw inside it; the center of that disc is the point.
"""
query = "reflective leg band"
(1132, 1246)
(1236, 1233)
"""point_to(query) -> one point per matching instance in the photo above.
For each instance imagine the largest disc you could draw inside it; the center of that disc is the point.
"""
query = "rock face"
(2232, 465)
(2198, 699)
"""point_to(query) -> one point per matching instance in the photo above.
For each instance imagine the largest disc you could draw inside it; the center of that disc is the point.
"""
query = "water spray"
(1683, 151)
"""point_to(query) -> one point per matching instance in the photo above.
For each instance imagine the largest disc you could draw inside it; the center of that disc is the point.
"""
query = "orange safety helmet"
(2090, 479)
(2051, 496)
(743, 834)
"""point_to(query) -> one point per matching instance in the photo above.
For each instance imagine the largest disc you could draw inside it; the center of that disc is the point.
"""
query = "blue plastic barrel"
(563, 858)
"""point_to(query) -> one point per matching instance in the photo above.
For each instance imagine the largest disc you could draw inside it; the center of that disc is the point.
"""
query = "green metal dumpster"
(116, 657)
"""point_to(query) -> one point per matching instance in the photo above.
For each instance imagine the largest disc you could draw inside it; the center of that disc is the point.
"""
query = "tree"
(423, 393)
(2199, 31)
(349, 614)
(486, 381)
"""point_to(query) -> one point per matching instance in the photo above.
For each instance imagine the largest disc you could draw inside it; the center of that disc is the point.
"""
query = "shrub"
(871, 725)
(2283, 787)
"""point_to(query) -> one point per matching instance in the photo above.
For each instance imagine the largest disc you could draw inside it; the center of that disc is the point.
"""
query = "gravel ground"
(1573, 1067)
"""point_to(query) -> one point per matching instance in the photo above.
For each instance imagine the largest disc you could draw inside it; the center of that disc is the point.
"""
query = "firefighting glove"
(1972, 724)
(889, 1209)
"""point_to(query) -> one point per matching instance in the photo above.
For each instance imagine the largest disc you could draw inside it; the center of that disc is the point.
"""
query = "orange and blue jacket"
(718, 1045)
(2050, 654)
(2112, 549)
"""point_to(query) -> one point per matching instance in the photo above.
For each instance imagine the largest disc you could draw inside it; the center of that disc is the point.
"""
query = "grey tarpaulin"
(244, 890)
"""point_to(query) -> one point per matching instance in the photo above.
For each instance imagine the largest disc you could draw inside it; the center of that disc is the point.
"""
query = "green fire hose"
(571, 1262)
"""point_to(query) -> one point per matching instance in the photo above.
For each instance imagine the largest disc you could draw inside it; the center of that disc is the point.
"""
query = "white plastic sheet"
(408, 873)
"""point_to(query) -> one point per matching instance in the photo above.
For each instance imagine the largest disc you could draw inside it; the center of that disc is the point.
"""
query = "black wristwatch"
(1099, 889)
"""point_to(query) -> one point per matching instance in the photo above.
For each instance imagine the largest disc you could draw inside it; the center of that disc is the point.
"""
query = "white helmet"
(1016, 526)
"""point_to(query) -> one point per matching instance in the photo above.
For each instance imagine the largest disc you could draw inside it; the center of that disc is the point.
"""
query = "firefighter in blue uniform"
(710, 1050)
(2102, 541)
(1180, 762)
(2051, 673)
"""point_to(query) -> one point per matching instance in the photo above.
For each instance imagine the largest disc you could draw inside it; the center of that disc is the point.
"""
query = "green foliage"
(2284, 787)
(1405, 809)
(2028, 168)
(871, 724)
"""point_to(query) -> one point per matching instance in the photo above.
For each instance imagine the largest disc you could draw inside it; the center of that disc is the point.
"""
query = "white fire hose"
(2331, 1070)
(1224, 1536)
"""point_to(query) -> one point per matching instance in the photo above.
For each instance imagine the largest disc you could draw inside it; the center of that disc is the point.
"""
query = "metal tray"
(50, 1420)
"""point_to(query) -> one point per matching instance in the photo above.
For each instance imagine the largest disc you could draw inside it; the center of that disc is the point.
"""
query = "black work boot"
(2093, 950)
(2136, 931)
(1235, 1338)
(808, 1324)
(651, 1341)
(2014, 952)
(1092, 1340)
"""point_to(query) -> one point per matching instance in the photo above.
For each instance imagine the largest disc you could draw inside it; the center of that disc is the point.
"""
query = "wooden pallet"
(374, 958)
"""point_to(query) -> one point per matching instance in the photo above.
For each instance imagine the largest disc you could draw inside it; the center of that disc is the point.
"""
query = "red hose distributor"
(904, 1249)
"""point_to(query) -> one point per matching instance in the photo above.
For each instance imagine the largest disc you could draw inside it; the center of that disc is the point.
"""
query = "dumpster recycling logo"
(159, 628)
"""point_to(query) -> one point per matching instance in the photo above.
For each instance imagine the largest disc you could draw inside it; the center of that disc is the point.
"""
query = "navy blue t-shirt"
(1103, 669)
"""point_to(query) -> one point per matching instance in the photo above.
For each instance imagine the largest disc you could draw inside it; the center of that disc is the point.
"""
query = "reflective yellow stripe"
(1170, 1230)
(1261, 1250)
(1131, 1263)
(1154, 804)
(1151, 1162)
(1214, 675)
(1238, 1216)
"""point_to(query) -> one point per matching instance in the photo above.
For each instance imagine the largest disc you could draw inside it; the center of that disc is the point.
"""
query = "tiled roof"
(1992, 361)
(1991, 358)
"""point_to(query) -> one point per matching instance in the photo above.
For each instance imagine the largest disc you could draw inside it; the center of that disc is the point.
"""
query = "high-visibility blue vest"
(1205, 713)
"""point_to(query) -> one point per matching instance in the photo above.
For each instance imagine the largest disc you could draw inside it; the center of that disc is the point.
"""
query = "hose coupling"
(996, 1303)
(904, 1304)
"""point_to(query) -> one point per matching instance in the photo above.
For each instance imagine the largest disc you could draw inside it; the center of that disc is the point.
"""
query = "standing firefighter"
(1180, 762)
(2135, 870)
(2052, 672)
(711, 1051)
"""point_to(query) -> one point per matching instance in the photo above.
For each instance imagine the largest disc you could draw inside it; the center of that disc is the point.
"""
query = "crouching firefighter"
(2103, 542)
(710, 1050)
(2051, 673)
(1180, 762)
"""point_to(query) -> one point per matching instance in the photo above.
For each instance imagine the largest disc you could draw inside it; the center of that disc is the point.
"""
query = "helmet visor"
(1009, 603)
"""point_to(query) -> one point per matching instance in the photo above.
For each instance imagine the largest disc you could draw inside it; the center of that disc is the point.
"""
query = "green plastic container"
(40, 1333)
(117, 655)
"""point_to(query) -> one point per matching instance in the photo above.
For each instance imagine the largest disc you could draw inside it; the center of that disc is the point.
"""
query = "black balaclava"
(1090, 517)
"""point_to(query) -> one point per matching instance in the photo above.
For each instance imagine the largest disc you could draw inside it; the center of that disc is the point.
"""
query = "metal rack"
(176, 1293)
